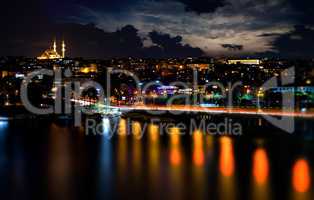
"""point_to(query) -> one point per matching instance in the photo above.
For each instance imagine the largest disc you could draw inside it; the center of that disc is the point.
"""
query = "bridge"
(177, 109)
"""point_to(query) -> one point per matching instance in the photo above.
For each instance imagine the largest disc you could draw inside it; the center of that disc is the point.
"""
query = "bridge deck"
(195, 109)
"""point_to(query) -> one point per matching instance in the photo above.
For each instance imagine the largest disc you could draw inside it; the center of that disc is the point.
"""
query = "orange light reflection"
(260, 166)
(226, 162)
(153, 133)
(198, 153)
(122, 130)
(301, 178)
(175, 153)
(136, 130)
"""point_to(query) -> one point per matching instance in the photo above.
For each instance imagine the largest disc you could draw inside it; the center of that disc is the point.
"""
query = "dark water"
(50, 160)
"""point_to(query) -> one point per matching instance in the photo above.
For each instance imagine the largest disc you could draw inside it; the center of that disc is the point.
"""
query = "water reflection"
(153, 158)
(176, 164)
(122, 147)
(122, 128)
(105, 160)
(260, 185)
(59, 163)
(154, 148)
(199, 172)
(226, 185)
(175, 147)
(301, 178)
(3, 125)
(209, 144)
(136, 149)
(63, 165)
(3, 156)
(137, 130)
(153, 131)
(106, 127)
(226, 158)
(198, 151)
(3, 130)
(260, 166)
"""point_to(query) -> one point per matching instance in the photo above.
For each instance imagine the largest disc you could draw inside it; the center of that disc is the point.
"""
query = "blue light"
(106, 127)
(209, 105)
(3, 124)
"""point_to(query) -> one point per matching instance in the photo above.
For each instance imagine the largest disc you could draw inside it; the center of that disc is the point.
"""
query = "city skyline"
(157, 99)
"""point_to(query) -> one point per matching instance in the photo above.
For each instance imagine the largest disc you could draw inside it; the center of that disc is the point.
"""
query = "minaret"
(54, 46)
(63, 49)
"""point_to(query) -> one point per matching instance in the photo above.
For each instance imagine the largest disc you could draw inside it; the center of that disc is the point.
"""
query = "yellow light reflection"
(59, 161)
(226, 184)
(198, 138)
(198, 168)
(198, 151)
(226, 162)
(136, 148)
(260, 173)
(176, 167)
(260, 166)
(301, 178)
(153, 133)
(154, 156)
(136, 130)
(175, 136)
(122, 148)
(175, 157)
(175, 153)
(122, 129)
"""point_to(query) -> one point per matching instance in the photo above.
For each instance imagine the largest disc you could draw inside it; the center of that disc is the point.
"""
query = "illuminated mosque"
(51, 54)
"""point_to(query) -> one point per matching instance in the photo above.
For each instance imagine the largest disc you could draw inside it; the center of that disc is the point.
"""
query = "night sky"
(159, 28)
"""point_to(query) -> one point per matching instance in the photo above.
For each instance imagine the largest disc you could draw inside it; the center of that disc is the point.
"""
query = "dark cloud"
(21, 22)
(304, 11)
(233, 47)
(92, 42)
(298, 43)
(27, 27)
(269, 35)
(167, 46)
(203, 6)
